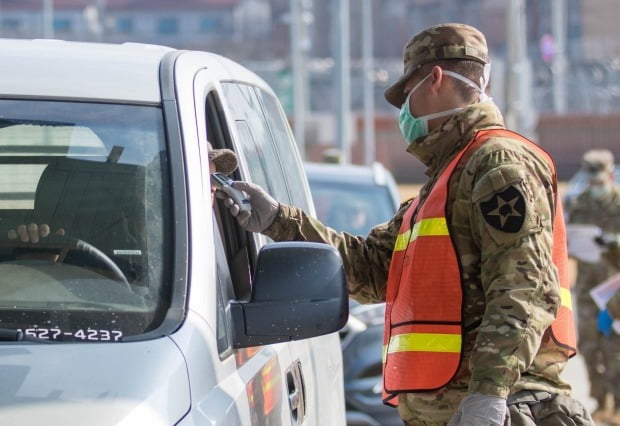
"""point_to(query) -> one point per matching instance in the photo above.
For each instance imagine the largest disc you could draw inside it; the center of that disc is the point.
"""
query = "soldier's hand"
(32, 232)
(607, 240)
(264, 207)
(479, 409)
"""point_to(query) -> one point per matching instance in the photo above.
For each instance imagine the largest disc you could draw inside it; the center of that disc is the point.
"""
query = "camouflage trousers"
(602, 355)
(525, 408)
(539, 408)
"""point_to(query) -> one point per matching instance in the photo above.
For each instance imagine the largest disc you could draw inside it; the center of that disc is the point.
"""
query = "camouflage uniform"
(510, 286)
(601, 352)
(613, 306)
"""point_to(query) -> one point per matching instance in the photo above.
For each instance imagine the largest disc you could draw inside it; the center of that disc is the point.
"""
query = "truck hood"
(93, 383)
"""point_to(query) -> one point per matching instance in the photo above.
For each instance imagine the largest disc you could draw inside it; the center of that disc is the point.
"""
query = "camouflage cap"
(439, 42)
(225, 160)
(597, 163)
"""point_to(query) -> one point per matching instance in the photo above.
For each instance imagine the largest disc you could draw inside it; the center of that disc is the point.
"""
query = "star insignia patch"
(505, 210)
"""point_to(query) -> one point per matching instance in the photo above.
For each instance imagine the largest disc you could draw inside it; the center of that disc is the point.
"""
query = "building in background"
(257, 34)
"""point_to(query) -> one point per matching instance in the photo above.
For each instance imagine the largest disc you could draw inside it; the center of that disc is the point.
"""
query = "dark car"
(352, 198)
(355, 198)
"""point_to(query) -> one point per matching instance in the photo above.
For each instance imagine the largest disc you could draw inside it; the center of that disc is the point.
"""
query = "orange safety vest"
(423, 316)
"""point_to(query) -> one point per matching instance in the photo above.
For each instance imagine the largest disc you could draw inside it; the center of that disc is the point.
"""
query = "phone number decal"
(89, 334)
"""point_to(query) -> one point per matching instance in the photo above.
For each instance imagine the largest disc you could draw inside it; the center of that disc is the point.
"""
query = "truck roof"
(127, 72)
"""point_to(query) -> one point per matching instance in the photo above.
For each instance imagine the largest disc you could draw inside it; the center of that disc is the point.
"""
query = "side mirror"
(298, 292)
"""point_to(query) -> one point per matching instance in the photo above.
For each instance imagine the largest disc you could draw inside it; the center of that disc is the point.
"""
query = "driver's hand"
(32, 232)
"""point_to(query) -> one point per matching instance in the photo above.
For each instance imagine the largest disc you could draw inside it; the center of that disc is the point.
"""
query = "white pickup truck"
(147, 304)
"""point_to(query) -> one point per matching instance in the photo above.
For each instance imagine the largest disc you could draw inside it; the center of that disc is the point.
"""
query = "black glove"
(607, 240)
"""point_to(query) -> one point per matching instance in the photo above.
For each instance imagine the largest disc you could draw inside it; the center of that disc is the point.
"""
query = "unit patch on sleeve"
(505, 210)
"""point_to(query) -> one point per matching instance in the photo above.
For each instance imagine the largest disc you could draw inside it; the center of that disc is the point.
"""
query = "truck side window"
(257, 140)
(283, 142)
(236, 242)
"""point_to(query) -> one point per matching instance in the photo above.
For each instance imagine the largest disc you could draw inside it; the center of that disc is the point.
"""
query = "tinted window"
(232, 245)
(97, 174)
(266, 143)
(288, 157)
(237, 245)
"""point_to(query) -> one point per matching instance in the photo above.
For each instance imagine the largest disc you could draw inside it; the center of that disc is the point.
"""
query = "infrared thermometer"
(224, 183)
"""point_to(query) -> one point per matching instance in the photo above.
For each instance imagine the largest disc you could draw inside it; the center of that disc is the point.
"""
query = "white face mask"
(599, 190)
(484, 81)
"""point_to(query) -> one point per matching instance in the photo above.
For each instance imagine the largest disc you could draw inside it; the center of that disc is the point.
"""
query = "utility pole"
(340, 36)
(301, 18)
(48, 18)
(298, 71)
(369, 86)
(520, 113)
(558, 64)
(95, 17)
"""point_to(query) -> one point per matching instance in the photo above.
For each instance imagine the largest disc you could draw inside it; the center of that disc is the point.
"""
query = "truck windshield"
(84, 212)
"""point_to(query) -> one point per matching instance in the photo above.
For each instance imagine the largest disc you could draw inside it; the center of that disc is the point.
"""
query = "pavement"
(576, 374)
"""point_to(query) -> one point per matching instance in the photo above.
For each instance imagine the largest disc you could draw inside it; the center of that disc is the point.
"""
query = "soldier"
(477, 331)
(598, 205)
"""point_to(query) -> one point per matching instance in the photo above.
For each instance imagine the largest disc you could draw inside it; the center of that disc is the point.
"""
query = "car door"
(264, 139)
(265, 382)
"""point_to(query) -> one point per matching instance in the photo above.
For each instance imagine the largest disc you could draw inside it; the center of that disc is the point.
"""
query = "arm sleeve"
(511, 213)
(366, 259)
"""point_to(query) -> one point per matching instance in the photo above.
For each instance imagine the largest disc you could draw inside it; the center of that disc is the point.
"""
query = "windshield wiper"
(10, 335)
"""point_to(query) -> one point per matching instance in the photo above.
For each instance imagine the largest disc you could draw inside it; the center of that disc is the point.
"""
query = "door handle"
(296, 392)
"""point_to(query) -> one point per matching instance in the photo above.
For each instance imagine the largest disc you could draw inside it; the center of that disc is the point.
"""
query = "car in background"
(353, 199)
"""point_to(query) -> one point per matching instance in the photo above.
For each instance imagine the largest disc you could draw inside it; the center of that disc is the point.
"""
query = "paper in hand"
(581, 245)
(603, 292)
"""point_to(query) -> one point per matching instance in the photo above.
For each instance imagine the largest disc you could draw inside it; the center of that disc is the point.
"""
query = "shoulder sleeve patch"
(505, 210)
(504, 206)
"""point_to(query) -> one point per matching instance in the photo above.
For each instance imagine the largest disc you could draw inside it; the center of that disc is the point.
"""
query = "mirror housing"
(299, 291)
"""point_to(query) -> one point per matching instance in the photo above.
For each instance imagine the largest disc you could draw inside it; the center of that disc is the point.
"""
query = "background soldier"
(598, 205)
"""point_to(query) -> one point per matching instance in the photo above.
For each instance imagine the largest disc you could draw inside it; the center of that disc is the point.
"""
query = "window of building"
(168, 25)
(216, 23)
(210, 24)
(63, 25)
(10, 24)
(125, 25)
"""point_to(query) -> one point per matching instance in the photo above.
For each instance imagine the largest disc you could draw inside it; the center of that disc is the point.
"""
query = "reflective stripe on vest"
(423, 317)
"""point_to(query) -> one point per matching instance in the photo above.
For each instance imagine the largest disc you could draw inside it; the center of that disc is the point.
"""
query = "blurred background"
(555, 63)
(555, 75)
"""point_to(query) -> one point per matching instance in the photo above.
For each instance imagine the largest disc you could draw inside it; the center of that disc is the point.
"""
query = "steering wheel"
(65, 244)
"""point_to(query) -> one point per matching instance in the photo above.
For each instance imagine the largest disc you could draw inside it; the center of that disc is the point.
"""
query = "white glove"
(480, 410)
(264, 207)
